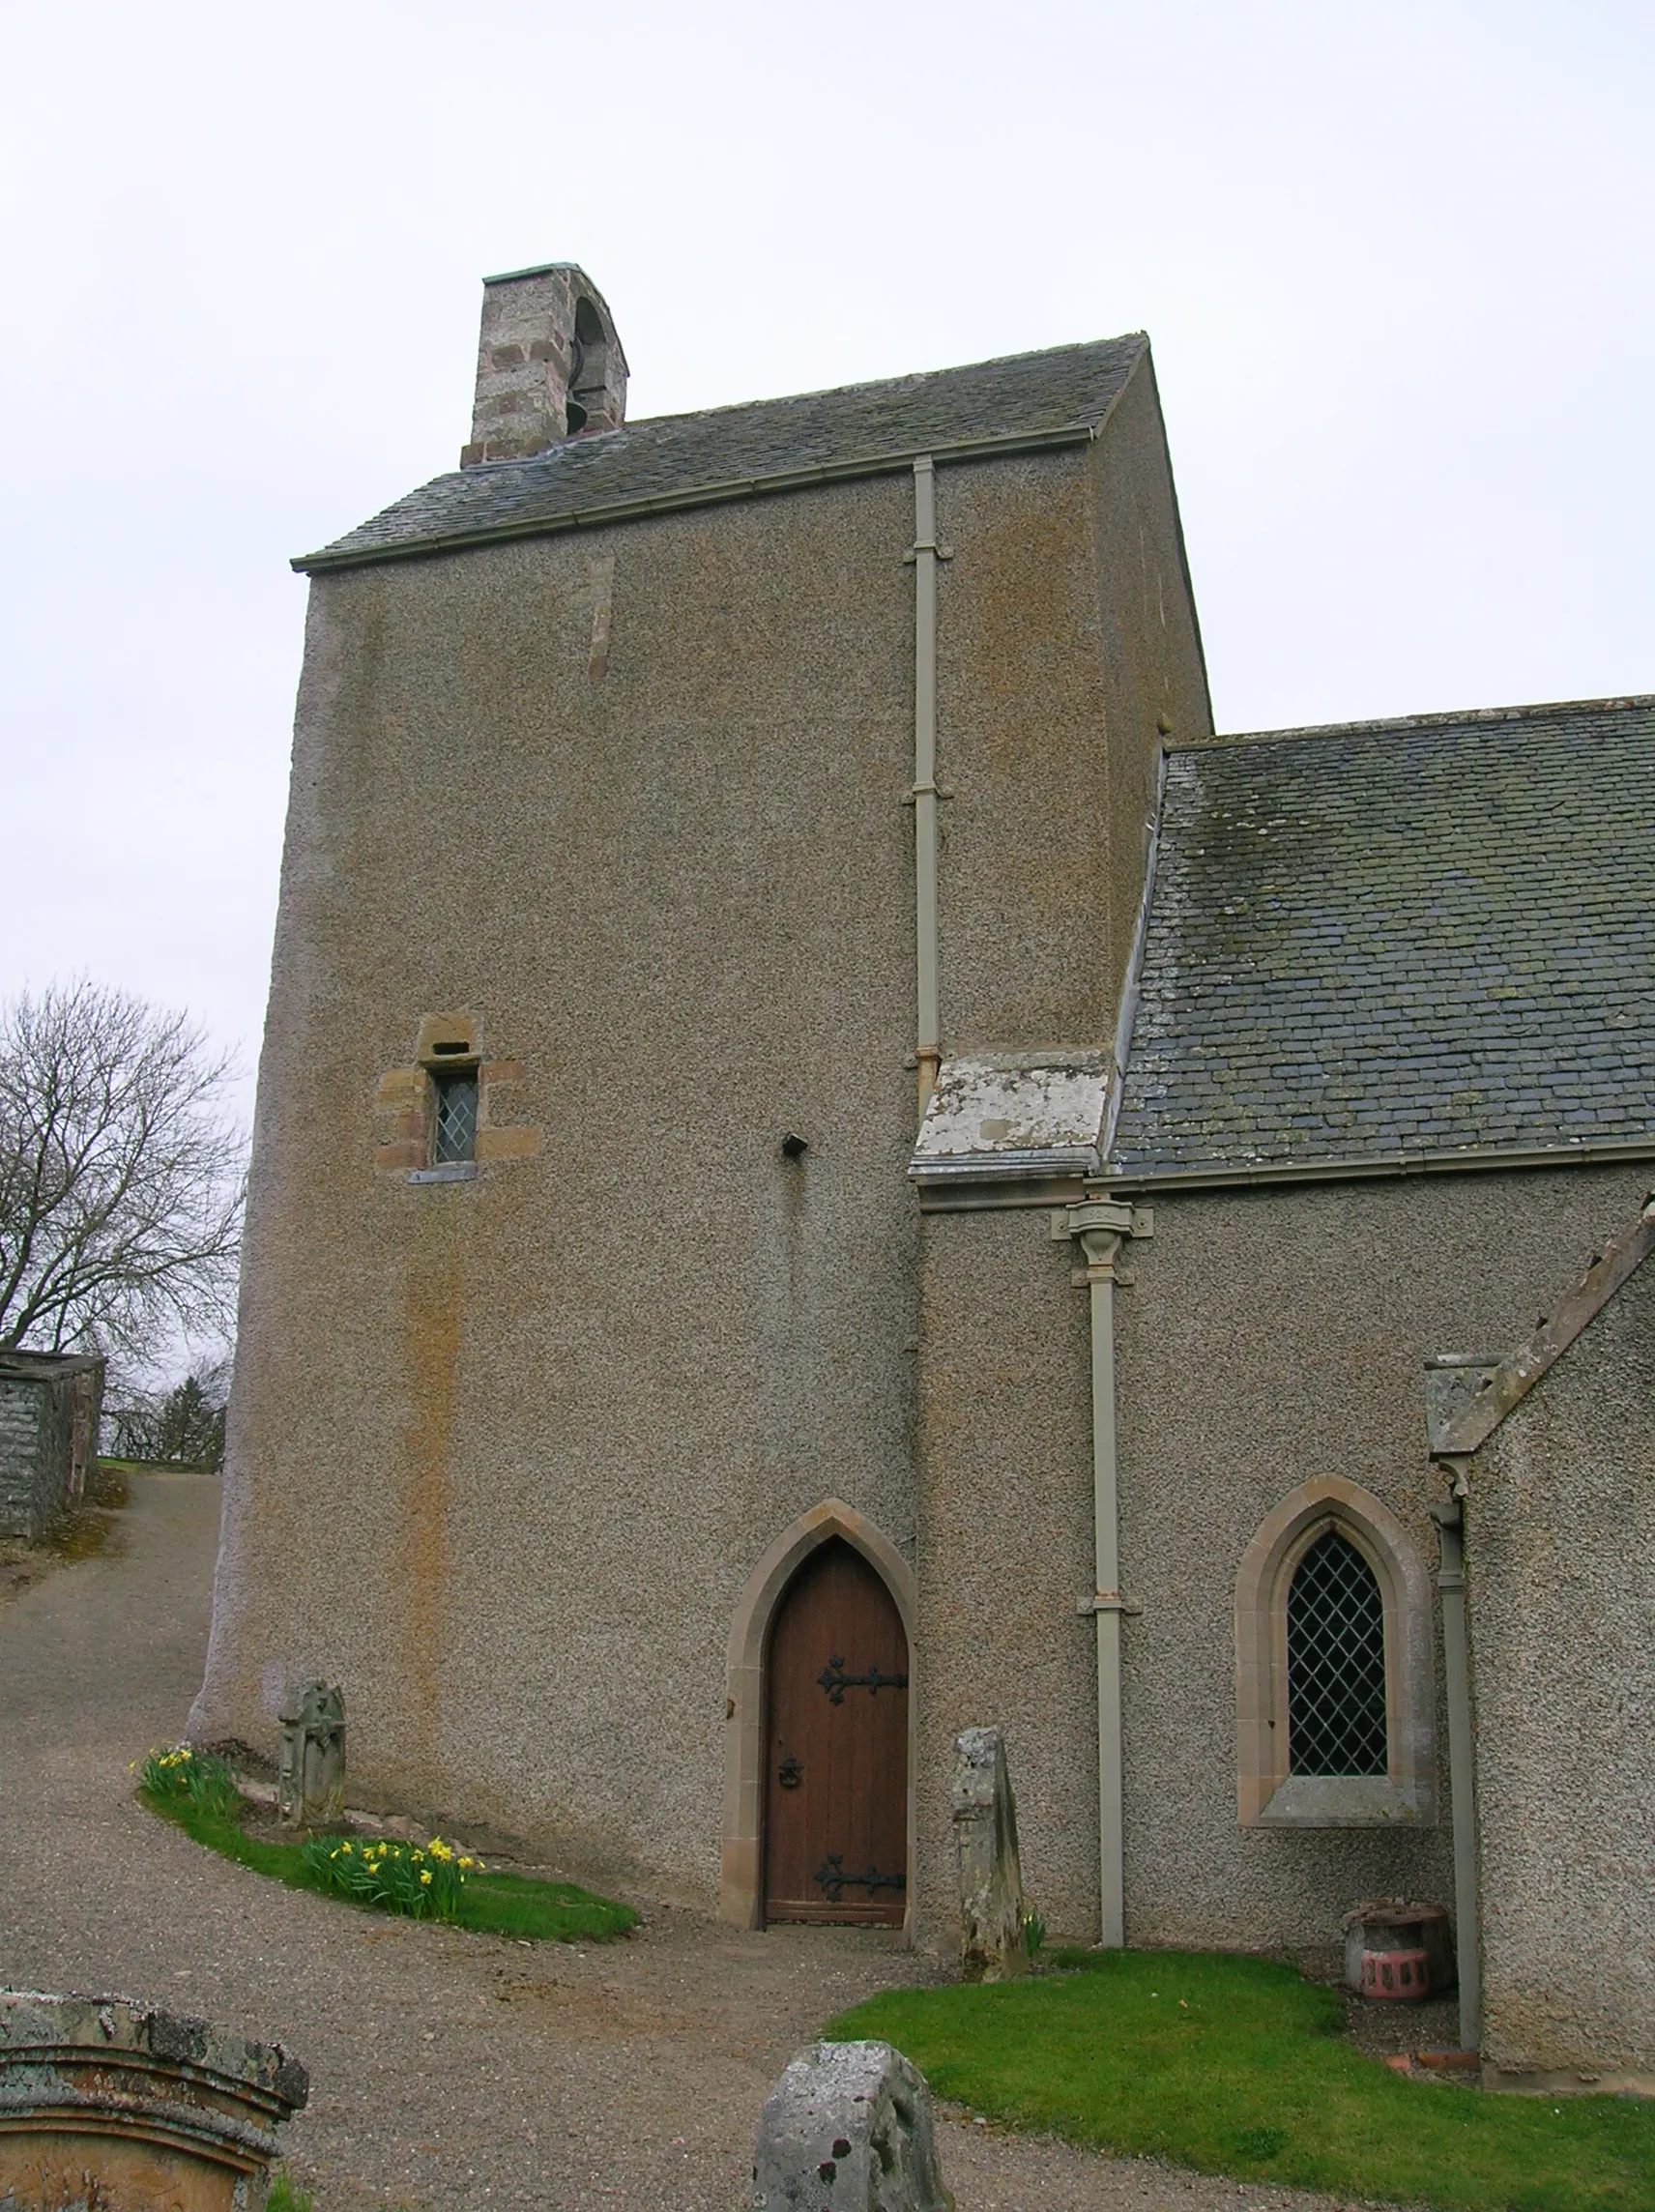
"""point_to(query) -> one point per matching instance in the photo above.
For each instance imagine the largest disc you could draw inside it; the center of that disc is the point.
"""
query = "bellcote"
(549, 365)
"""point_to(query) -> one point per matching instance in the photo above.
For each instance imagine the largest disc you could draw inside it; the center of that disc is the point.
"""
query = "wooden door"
(836, 1742)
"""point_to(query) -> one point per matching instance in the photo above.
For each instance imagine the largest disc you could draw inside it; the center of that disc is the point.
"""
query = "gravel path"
(448, 2069)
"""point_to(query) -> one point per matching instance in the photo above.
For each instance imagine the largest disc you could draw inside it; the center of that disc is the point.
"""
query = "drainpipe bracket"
(1108, 1601)
(1110, 1214)
(927, 545)
(1104, 1271)
(927, 790)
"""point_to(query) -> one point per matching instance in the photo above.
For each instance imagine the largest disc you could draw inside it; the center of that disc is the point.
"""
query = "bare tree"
(120, 1174)
(183, 1424)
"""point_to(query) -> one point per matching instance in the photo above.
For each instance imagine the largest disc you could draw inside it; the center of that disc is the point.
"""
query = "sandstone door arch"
(837, 1746)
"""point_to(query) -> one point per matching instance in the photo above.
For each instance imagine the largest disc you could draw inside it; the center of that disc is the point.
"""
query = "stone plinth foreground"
(848, 2128)
(111, 2106)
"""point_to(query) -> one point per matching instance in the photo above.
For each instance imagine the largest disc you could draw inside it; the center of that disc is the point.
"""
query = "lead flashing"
(1455, 719)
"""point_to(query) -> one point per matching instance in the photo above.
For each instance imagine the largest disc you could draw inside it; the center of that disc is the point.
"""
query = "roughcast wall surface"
(630, 802)
(1560, 1578)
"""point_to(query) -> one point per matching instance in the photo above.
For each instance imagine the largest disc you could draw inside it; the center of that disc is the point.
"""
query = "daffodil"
(465, 1862)
(427, 1876)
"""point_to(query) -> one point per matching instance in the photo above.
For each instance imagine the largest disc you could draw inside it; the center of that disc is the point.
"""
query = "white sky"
(1395, 261)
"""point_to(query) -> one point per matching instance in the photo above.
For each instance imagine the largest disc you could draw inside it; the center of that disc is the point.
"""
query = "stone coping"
(116, 2063)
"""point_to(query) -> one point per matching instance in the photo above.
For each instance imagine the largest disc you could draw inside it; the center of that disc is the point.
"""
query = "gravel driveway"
(446, 2068)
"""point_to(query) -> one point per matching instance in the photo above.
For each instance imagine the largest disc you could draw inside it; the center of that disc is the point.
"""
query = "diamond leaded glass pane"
(454, 1137)
(1336, 1663)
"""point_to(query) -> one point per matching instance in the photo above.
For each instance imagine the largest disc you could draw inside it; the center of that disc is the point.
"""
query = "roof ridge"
(910, 378)
(1058, 396)
(1461, 717)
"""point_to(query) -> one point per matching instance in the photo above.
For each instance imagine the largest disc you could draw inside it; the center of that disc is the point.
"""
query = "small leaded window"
(454, 1124)
(1336, 1663)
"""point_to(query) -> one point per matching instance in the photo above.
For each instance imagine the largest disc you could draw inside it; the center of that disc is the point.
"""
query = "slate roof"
(685, 461)
(1399, 942)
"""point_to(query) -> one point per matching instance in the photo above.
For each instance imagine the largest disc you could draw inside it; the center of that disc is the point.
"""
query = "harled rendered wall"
(1005, 1384)
(1006, 1550)
(502, 1452)
(1272, 1337)
(1560, 1577)
(1268, 1338)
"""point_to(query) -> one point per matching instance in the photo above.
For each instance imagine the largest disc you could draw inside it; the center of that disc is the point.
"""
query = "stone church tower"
(670, 800)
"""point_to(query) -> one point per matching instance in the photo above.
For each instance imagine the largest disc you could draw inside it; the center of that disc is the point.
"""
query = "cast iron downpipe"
(1100, 1225)
(1451, 1519)
(925, 553)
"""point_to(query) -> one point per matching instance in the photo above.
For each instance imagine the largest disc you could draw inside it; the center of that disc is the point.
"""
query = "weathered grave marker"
(310, 1782)
(848, 2128)
(992, 1947)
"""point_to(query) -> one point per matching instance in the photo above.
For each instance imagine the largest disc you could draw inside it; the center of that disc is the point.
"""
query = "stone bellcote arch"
(741, 1885)
(1267, 1795)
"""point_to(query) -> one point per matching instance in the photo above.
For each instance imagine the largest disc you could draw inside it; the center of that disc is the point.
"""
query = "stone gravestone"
(848, 2128)
(992, 1947)
(310, 1782)
(107, 2104)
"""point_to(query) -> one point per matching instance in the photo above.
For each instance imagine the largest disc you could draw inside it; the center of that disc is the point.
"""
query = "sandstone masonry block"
(848, 2128)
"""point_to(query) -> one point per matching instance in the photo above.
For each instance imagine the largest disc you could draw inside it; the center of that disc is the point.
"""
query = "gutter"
(605, 511)
(1358, 1167)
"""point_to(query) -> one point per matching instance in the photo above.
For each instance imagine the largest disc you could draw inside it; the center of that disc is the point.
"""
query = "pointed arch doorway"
(835, 1788)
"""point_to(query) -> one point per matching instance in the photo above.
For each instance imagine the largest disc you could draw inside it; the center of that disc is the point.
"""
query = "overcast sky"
(1395, 262)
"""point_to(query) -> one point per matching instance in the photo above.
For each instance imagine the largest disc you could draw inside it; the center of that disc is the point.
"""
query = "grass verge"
(491, 1904)
(1235, 2065)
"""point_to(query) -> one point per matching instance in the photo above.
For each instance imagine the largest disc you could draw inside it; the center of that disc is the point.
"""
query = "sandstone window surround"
(1269, 1795)
(440, 1115)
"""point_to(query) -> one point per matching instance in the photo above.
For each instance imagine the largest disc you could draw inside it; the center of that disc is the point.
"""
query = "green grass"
(1235, 2065)
(489, 1903)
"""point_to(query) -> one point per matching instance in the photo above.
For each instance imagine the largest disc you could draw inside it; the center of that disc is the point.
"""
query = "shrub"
(392, 1878)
